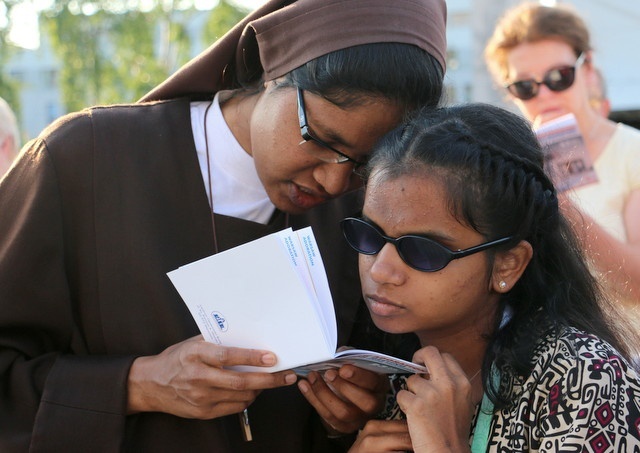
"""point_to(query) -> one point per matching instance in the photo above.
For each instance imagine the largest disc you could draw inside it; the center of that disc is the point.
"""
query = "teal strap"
(483, 423)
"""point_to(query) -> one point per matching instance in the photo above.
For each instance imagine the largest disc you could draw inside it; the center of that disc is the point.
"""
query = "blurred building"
(615, 26)
(37, 72)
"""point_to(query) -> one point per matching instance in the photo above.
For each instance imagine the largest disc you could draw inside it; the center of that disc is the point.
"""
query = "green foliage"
(107, 57)
(223, 17)
(8, 86)
(113, 52)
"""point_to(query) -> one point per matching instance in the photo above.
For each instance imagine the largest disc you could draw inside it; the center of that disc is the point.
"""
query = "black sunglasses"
(558, 79)
(418, 252)
(324, 152)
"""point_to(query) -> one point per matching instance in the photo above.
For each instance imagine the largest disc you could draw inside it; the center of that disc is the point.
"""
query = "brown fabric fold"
(308, 29)
(283, 35)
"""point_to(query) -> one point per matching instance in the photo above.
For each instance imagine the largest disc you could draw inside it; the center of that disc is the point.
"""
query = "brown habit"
(94, 214)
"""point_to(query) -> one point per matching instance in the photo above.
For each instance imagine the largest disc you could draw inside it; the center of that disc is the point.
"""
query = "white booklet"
(273, 294)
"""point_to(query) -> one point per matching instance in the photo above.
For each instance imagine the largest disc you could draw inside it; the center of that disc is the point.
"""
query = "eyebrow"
(552, 68)
(333, 138)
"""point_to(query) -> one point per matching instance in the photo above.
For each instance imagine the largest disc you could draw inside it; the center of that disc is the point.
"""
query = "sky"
(24, 31)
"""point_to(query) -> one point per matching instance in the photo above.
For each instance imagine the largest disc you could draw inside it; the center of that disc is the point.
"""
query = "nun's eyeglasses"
(323, 151)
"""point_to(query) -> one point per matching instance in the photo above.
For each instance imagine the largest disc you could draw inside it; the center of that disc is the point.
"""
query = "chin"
(284, 204)
(390, 325)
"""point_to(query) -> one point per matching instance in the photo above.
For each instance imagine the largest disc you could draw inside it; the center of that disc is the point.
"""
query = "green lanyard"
(483, 423)
(481, 433)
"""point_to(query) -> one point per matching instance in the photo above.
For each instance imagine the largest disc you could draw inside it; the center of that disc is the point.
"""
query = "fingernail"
(290, 378)
(268, 359)
(303, 386)
(330, 375)
(312, 378)
(346, 373)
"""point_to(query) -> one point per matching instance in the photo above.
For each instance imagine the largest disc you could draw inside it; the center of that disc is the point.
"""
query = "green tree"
(112, 52)
(9, 87)
(223, 17)
(108, 56)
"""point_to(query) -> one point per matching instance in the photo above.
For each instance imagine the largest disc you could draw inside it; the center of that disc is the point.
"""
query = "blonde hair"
(530, 23)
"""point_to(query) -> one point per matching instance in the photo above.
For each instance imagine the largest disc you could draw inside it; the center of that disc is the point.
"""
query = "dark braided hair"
(491, 166)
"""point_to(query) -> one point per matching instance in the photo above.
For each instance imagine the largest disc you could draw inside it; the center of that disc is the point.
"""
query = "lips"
(379, 306)
(305, 198)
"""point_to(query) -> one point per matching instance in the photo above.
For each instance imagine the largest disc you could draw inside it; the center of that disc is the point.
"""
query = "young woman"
(544, 57)
(461, 243)
(97, 350)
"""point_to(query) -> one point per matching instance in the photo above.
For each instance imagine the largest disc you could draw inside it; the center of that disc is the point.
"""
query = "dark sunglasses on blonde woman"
(558, 79)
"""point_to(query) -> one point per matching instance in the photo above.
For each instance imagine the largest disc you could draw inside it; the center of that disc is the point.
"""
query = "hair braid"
(491, 166)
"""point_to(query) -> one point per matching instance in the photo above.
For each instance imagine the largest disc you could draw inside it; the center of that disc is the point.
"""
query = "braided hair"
(491, 166)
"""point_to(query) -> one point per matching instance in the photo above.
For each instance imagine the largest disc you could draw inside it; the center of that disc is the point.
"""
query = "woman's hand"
(438, 409)
(379, 436)
(345, 398)
(188, 379)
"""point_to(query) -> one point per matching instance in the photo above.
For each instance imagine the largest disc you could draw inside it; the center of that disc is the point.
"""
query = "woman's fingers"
(438, 409)
(383, 436)
(343, 404)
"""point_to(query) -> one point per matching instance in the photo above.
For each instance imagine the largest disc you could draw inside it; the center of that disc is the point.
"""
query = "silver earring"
(502, 284)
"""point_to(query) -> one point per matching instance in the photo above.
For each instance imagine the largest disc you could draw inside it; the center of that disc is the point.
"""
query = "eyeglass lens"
(325, 152)
(418, 252)
(558, 79)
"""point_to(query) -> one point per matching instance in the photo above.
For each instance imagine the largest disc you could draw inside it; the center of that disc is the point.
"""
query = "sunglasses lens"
(560, 79)
(362, 237)
(556, 80)
(423, 254)
(524, 89)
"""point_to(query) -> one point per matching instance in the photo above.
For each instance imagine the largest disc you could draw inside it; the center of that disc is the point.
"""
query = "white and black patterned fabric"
(581, 396)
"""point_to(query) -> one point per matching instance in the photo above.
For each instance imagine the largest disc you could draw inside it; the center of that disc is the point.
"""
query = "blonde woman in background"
(544, 58)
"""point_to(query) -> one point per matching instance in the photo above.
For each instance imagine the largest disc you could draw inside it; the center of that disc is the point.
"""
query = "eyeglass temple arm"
(302, 117)
(481, 247)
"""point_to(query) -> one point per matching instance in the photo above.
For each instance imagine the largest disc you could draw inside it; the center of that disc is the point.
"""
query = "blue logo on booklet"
(219, 319)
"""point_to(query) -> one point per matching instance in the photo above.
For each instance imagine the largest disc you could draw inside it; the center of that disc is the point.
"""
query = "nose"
(336, 179)
(544, 91)
(387, 266)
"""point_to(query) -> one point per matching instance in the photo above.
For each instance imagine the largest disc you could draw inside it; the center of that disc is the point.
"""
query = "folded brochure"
(272, 293)
(566, 157)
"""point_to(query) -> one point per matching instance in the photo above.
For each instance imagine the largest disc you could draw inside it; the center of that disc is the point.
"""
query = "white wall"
(615, 27)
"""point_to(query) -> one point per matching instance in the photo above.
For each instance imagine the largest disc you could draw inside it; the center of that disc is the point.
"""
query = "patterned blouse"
(580, 397)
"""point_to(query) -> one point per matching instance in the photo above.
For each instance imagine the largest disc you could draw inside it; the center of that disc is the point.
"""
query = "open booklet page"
(369, 360)
(567, 159)
(273, 294)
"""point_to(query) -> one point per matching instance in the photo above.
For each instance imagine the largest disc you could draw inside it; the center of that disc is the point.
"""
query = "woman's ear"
(509, 265)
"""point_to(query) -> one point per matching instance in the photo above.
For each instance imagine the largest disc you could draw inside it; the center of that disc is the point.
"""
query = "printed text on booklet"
(273, 294)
